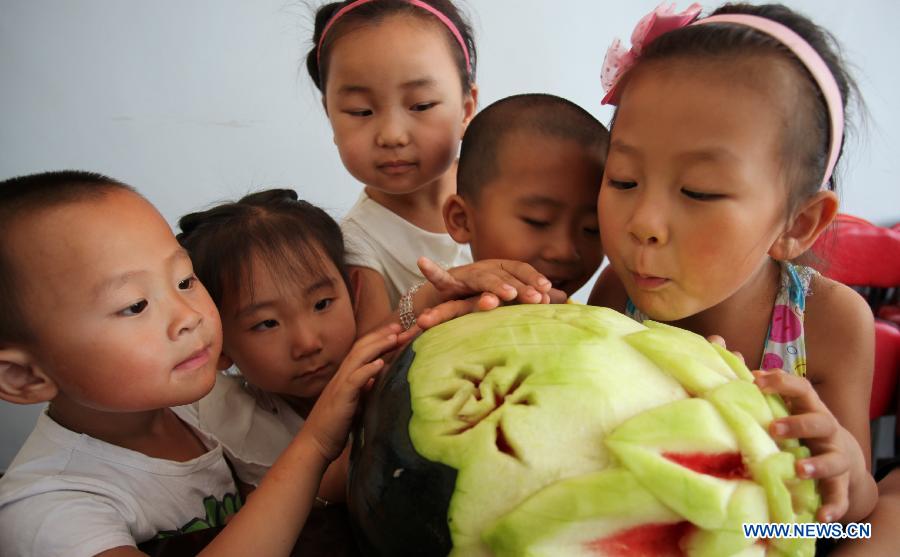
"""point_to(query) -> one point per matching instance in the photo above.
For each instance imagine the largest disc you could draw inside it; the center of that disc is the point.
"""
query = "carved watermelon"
(571, 430)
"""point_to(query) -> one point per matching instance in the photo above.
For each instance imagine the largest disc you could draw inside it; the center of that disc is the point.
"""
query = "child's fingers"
(781, 382)
(433, 317)
(835, 498)
(556, 296)
(435, 274)
(529, 295)
(811, 425)
(371, 346)
(716, 339)
(483, 276)
(496, 279)
(503, 285)
(825, 465)
(798, 393)
(343, 391)
(341, 395)
(487, 301)
(429, 318)
(361, 375)
(409, 334)
(508, 280)
(527, 274)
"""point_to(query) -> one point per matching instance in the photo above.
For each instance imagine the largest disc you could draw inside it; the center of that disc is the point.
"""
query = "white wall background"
(198, 101)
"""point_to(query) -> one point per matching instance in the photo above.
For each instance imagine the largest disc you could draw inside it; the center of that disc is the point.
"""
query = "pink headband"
(427, 7)
(662, 20)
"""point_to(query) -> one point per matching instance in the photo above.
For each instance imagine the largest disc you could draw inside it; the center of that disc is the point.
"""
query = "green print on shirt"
(216, 514)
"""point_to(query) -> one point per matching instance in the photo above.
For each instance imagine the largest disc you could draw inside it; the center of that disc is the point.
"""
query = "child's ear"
(470, 107)
(812, 217)
(457, 219)
(22, 381)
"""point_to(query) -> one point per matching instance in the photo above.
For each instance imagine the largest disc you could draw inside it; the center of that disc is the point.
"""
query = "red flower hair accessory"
(618, 60)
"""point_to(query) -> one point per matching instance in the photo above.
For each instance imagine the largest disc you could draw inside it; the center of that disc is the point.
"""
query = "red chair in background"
(887, 370)
(867, 257)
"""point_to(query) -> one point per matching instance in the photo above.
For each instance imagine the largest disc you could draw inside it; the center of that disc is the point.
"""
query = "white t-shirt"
(71, 495)
(253, 427)
(381, 240)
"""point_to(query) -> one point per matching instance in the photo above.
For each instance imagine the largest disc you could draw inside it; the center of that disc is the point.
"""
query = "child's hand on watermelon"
(329, 421)
(507, 280)
(480, 286)
(432, 317)
(833, 448)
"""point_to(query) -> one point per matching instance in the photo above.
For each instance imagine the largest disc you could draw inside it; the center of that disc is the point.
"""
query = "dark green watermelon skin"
(397, 499)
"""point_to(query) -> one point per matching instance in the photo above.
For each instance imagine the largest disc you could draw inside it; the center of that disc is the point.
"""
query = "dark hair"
(288, 234)
(806, 141)
(379, 10)
(22, 197)
(537, 113)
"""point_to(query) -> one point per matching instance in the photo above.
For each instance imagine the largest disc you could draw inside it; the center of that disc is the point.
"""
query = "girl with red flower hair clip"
(720, 176)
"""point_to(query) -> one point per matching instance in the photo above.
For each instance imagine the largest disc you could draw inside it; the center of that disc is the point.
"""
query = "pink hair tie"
(427, 7)
(813, 63)
(662, 20)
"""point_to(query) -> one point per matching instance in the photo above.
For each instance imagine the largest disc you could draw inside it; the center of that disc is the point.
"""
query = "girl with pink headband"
(720, 177)
(398, 85)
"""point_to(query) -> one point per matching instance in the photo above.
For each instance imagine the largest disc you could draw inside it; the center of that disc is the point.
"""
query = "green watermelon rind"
(483, 400)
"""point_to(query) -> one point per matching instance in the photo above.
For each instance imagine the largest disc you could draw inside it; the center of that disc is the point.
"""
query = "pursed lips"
(643, 276)
(648, 282)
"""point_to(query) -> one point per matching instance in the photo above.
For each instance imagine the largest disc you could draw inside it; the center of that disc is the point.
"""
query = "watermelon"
(571, 430)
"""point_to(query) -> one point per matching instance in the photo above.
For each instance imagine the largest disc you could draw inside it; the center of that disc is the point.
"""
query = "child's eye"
(590, 231)
(265, 325)
(134, 309)
(360, 113)
(701, 196)
(535, 223)
(323, 304)
(188, 283)
(421, 107)
(620, 185)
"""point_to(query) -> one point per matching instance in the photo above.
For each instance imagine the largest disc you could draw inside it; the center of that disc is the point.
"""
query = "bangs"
(293, 268)
(298, 244)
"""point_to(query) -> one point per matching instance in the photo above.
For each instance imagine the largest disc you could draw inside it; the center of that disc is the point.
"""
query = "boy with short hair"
(103, 317)
(529, 174)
